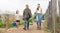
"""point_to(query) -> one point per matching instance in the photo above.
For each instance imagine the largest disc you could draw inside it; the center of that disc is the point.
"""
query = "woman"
(38, 16)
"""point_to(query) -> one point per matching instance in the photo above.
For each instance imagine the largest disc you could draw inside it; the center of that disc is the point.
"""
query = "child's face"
(17, 12)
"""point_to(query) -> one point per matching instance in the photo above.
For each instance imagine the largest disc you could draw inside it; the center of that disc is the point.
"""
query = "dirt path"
(32, 29)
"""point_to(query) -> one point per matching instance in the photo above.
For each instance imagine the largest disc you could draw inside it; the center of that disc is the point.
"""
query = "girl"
(17, 18)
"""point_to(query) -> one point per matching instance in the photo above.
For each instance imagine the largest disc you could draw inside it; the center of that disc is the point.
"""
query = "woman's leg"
(39, 21)
(37, 25)
(40, 24)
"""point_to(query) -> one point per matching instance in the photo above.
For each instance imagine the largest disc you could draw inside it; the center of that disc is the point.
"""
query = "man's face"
(27, 6)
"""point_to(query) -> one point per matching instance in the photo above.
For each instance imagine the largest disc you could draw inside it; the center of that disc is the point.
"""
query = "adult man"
(26, 15)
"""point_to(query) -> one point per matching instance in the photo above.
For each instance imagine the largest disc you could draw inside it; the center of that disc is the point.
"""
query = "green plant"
(57, 25)
(21, 23)
(2, 25)
(46, 28)
(31, 19)
(52, 31)
(11, 25)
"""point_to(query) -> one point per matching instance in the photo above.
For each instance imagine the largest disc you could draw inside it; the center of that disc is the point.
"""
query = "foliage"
(2, 25)
(58, 25)
(46, 28)
(43, 17)
(31, 19)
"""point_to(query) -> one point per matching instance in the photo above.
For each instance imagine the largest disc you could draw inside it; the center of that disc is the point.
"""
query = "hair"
(26, 4)
(38, 4)
(17, 11)
(37, 8)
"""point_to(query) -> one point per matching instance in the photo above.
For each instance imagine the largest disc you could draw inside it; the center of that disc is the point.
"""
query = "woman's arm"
(41, 10)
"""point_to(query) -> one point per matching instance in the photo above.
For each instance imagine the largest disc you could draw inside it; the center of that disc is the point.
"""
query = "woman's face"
(38, 5)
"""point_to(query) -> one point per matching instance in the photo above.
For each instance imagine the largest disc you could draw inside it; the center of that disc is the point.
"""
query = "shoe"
(24, 28)
(38, 28)
(27, 28)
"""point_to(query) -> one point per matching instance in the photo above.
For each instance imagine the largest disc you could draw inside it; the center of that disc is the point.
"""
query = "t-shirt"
(17, 17)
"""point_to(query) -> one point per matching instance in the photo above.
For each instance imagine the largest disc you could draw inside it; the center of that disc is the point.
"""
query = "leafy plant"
(31, 19)
(2, 25)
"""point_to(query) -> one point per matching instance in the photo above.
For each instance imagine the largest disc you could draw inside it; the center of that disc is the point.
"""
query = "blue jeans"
(26, 23)
(39, 23)
(39, 18)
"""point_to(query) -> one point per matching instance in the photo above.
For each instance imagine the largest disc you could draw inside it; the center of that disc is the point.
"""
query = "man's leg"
(27, 25)
(24, 24)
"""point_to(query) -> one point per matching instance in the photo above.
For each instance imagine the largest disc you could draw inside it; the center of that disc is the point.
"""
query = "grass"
(3, 25)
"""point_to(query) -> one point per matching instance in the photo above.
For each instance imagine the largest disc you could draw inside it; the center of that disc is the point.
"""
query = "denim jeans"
(39, 23)
(39, 18)
(26, 23)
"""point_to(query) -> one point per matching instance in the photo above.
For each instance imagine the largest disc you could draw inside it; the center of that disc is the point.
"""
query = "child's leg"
(17, 24)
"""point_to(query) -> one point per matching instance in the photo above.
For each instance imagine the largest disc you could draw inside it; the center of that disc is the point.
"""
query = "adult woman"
(38, 16)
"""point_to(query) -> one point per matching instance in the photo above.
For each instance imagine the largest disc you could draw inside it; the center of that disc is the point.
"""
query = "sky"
(12, 5)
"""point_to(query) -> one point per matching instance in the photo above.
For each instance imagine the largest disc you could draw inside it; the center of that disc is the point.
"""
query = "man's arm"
(23, 13)
(30, 13)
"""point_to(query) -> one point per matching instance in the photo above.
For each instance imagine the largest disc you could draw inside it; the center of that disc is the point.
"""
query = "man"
(26, 15)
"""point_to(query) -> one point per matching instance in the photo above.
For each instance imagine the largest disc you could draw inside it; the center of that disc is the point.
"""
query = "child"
(17, 18)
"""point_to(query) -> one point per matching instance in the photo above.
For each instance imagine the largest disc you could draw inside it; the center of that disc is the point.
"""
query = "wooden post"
(59, 9)
(58, 23)
(54, 10)
(49, 16)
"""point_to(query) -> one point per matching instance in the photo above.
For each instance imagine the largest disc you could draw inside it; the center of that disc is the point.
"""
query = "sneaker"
(27, 28)
(38, 28)
(24, 28)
